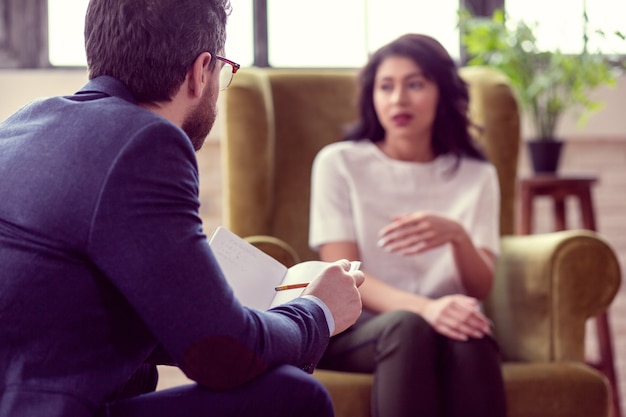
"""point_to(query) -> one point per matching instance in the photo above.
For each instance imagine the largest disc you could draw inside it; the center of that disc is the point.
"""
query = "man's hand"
(337, 287)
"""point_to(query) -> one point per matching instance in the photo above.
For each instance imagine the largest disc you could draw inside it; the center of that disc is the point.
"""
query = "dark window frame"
(24, 34)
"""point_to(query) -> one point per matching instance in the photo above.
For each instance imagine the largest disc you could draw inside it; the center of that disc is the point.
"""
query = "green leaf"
(547, 83)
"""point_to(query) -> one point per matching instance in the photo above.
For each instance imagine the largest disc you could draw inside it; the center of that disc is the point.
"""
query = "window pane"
(333, 33)
(608, 16)
(321, 33)
(66, 21)
(560, 22)
(66, 42)
(388, 19)
(239, 33)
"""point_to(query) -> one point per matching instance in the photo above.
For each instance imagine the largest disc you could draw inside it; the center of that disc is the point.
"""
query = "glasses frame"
(234, 68)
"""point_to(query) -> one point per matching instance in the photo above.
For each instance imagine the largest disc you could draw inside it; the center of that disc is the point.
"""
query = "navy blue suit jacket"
(103, 259)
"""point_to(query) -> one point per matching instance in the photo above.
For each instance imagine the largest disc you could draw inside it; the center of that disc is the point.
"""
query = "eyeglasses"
(228, 70)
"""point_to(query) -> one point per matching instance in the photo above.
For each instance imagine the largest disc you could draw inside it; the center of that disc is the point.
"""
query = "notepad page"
(303, 272)
(250, 272)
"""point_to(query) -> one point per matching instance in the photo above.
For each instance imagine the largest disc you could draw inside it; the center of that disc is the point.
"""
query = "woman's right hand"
(457, 317)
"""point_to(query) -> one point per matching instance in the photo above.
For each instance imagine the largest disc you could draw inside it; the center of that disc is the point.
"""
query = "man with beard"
(105, 269)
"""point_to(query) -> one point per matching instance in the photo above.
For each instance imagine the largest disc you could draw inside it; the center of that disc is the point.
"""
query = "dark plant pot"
(545, 155)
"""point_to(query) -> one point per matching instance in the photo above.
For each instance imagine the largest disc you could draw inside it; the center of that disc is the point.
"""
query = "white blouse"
(356, 190)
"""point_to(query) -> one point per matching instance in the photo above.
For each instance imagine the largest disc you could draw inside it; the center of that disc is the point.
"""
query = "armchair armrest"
(546, 287)
(276, 248)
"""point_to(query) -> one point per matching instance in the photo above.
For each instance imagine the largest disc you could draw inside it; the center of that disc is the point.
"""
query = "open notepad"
(254, 275)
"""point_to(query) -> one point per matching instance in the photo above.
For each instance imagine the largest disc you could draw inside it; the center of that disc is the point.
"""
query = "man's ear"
(199, 75)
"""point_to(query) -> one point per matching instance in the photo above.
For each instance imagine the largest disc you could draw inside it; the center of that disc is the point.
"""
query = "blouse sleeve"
(331, 208)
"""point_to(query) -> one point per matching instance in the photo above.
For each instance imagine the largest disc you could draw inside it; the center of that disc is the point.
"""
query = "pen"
(291, 286)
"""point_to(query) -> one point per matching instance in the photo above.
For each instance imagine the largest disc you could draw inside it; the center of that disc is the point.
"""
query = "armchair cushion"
(567, 389)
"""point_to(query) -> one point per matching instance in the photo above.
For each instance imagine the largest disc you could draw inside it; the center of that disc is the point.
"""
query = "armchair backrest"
(276, 120)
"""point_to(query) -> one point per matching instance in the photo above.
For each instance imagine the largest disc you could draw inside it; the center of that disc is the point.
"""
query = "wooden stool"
(559, 187)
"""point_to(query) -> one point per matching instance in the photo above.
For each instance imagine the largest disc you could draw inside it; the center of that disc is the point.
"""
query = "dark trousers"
(284, 391)
(418, 372)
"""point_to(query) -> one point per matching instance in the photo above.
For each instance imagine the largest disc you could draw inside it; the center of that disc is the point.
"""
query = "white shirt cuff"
(330, 321)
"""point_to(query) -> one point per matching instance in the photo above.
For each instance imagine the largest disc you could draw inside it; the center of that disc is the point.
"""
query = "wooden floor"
(605, 158)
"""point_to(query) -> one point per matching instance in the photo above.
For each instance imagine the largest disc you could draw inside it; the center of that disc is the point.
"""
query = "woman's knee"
(409, 325)
(485, 347)
(474, 357)
(408, 332)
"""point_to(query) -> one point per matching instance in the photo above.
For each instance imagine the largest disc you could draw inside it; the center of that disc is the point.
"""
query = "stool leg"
(586, 208)
(606, 364)
(559, 214)
(526, 223)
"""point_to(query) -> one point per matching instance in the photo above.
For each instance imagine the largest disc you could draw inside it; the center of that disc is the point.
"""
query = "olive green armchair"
(274, 122)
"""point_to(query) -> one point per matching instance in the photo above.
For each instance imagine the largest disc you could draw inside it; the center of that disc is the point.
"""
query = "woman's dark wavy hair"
(150, 44)
(451, 134)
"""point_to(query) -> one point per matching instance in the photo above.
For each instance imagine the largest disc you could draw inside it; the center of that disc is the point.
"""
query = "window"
(388, 19)
(560, 24)
(331, 33)
(66, 21)
(323, 33)
(239, 35)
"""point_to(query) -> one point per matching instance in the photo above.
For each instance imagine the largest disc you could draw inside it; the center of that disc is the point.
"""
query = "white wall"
(18, 87)
(608, 123)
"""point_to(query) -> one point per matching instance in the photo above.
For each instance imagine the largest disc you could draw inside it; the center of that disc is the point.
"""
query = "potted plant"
(547, 83)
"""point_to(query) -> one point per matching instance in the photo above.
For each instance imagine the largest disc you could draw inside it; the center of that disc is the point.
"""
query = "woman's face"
(404, 100)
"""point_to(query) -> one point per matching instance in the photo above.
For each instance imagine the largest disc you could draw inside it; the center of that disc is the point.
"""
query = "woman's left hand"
(457, 316)
(418, 232)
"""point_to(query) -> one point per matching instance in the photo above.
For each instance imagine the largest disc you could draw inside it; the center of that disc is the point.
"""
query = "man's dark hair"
(150, 44)
(451, 126)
